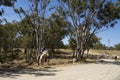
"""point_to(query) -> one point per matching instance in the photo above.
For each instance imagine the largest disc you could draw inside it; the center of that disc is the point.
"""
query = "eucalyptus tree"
(10, 30)
(27, 32)
(88, 17)
(36, 13)
(56, 31)
(8, 35)
(90, 44)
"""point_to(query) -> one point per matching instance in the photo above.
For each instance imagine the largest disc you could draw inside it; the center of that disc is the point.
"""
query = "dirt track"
(95, 71)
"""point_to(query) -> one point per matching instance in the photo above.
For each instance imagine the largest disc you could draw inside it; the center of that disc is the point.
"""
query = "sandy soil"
(105, 70)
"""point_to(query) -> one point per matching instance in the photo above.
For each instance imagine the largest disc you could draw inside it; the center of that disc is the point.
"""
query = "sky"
(109, 37)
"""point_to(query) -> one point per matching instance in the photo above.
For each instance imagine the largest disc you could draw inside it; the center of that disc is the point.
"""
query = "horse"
(43, 57)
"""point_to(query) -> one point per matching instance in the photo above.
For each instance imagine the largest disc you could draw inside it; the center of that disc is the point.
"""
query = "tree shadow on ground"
(14, 73)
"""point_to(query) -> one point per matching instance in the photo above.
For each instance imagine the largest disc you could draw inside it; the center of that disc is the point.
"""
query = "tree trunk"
(87, 52)
(80, 50)
(37, 46)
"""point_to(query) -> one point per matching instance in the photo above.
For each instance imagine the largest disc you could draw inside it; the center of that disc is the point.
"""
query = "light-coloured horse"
(43, 57)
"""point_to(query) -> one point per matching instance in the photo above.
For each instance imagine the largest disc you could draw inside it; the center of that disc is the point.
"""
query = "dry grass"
(111, 52)
(66, 50)
(95, 51)
(62, 57)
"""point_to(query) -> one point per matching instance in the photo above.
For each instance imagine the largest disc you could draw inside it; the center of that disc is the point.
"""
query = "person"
(40, 55)
(42, 50)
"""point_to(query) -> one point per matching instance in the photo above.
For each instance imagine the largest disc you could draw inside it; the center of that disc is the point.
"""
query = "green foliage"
(27, 33)
(56, 32)
(111, 48)
(100, 46)
(72, 43)
(92, 41)
(6, 3)
(109, 14)
(66, 46)
(8, 35)
(90, 44)
(117, 46)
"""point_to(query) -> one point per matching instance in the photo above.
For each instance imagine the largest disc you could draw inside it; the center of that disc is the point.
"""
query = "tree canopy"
(87, 17)
(6, 3)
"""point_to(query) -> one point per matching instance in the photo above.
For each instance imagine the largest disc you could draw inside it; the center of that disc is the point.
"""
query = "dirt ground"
(61, 68)
(105, 70)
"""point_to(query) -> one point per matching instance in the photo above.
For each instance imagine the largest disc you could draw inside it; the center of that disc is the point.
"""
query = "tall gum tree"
(88, 17)
(36, 13)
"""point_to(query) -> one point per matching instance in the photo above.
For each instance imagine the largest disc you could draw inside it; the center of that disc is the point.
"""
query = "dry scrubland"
(111, 52)
(95, 51)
